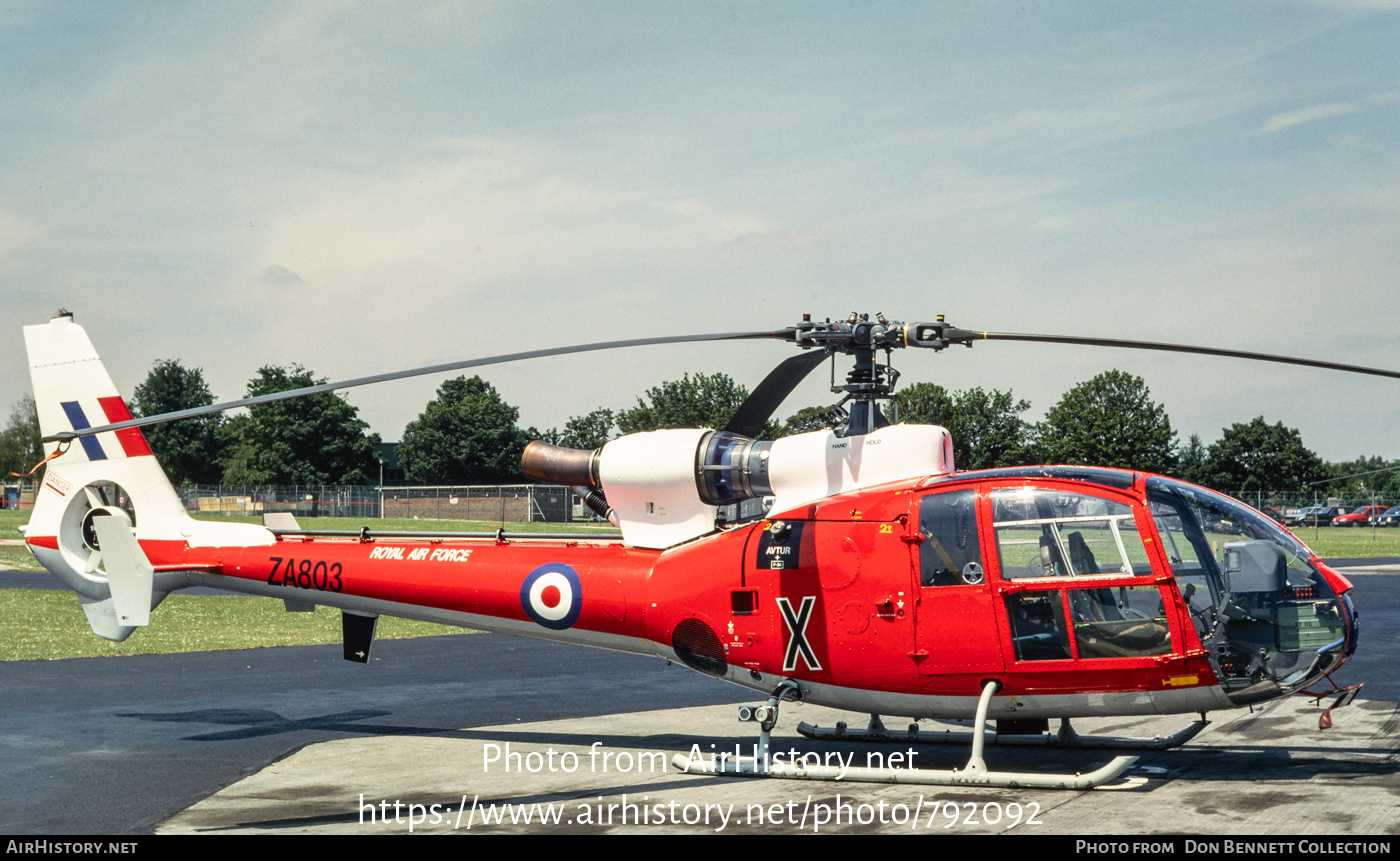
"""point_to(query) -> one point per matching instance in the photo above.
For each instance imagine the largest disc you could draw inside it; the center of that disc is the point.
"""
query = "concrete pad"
(1270, 771)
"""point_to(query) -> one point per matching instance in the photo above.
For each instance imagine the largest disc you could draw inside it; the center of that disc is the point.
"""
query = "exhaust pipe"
(555, 464)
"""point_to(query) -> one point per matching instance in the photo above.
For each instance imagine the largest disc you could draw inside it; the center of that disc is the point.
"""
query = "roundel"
(552, 596)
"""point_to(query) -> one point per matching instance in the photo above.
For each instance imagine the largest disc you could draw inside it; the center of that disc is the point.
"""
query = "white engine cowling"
(811, 466)
(649, 479)
(666, 486)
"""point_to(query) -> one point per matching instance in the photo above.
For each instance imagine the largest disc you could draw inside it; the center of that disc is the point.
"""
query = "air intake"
(699, 647)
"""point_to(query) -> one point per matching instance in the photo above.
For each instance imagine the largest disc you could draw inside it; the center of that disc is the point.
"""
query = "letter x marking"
(797, 627)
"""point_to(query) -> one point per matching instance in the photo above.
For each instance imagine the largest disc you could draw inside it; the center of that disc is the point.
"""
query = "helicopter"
(877, 579)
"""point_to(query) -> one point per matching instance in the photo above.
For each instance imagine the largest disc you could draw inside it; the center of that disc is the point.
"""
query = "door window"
(1120, 622)
(1055, 533)
(1050, 533)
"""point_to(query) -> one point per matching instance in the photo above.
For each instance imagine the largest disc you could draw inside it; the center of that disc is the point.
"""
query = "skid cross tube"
(1065, 737)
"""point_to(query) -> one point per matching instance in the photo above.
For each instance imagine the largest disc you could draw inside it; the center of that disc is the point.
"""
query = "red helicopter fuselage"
(1073, 588)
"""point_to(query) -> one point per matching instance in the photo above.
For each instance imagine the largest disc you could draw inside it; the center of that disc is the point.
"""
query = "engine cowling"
(666, 486)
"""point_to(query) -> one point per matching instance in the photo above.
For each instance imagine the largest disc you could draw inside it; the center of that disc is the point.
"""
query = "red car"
(1359, 517)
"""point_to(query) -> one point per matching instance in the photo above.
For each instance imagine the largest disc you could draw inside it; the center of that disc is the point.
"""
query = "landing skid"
(975, 773)
(1066, 737)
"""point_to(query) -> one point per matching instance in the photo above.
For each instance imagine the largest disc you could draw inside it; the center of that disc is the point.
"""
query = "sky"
(360, 188)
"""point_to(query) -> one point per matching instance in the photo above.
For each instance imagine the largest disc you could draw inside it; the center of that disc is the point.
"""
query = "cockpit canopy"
(1259, 604)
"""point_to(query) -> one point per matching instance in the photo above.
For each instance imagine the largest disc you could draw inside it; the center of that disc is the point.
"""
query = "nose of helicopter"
(1351, 624)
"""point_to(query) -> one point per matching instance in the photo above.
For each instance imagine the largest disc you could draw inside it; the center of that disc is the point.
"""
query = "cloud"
(1278, 122)
(14, 233)
(482, 212)
(280, 275)
(784, 239)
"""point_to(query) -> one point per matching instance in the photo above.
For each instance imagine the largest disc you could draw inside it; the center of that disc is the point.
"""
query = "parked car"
(1322, 515)
(1273, 513)
(1359, 517)
(1298, 517)
(1391, 517)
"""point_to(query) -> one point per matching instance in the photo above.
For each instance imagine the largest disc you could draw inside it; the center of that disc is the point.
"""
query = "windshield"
(1264, 611)
(1223, 520)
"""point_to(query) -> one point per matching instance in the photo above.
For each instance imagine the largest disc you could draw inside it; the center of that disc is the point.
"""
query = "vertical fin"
(358, 631)
(280, 520)
(129, 573)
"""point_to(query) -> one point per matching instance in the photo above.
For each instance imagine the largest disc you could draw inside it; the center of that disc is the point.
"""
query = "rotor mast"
(869, 381)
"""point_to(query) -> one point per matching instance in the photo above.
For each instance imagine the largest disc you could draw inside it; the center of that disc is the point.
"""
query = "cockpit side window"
(1055, 533)
(951, 554)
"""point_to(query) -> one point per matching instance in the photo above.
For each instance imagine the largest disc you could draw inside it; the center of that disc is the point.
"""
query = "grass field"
(50, 623)
(12, 556)
(1350, 543)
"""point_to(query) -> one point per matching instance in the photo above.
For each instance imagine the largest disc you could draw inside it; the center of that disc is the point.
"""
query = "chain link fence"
(519, 503)
(1291, 501)
(516, 503)
(506, 503)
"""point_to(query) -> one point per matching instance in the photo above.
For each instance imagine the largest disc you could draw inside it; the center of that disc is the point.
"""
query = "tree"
(986, 427)
(466, 435)
(1191, 460)
(587, 431)
(1388, 483)
(923, 404)
(1261, 456)
(318, 439)
(1360, 485)
(1110, 420)
(988, 430)
(806, 420)
(702, 401)
(190, 449)
(20, 448)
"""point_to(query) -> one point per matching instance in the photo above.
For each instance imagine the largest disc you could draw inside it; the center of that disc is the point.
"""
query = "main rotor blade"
(964, 336)
(415, 372)
(765, 399)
